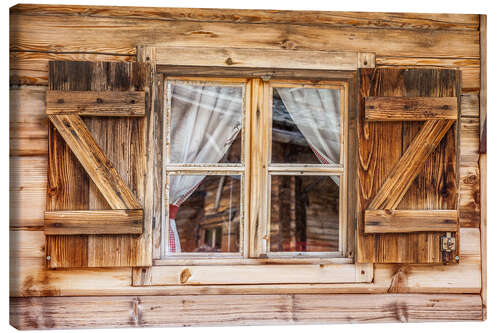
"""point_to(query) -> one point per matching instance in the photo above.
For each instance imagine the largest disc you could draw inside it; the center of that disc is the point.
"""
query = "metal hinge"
(448, 243)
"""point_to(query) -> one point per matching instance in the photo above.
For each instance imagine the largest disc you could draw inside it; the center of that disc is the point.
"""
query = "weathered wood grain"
(265, 58)
(411, 163)
(30, 276)
(469, 199)
(32, 68)
(152, 311)
(386, 221)
(124, 146)
(470, 68)
(260, 274)
(350, 19)
(96, 103)
(469, 141)
(120, 36)
(483, 161)
(469, 106)
(93, 222)
(435, 187)
(94, 161)
(410, 108)
(27, 191)
(28, 122)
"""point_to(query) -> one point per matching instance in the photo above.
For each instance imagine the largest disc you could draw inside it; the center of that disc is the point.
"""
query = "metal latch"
(448, 243)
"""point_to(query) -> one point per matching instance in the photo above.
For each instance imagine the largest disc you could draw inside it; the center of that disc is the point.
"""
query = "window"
(254, 169)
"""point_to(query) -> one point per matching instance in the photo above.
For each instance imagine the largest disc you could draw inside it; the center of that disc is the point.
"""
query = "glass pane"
(304, 213)
(205, 211)
(306, 126)
(205, 124)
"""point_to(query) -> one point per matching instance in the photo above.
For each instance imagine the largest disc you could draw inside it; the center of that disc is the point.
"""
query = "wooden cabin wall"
(40, 33)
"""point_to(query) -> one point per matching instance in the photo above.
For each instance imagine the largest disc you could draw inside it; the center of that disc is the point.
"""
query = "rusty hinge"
(448, 243)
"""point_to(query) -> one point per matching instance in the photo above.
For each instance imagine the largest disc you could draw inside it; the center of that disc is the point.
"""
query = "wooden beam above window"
(262, 58)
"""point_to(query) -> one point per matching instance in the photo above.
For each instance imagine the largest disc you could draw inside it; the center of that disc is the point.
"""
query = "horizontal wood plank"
(96, 103)
(410, 108)
(94, 222)
(97, 165)
(260, 274)
(153, 311)
(263, 58)
(410, 21)
(120, 36)
(399, 221)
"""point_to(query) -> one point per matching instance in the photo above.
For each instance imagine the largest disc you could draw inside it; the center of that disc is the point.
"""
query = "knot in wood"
(60, 101)
(229, 61)
(99, 100)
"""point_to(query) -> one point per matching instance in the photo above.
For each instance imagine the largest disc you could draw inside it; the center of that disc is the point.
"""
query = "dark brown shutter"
(95, 214)
(407, 167)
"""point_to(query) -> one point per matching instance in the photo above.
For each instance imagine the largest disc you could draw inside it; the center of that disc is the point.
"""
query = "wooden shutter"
(96, 214)
(407, 167)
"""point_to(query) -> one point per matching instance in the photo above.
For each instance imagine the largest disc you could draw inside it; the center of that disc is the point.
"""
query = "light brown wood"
(411, 21)
(153, 311)
(399, 221)
(141, 276)
(28, 122)
(366, 60)
(402, 175)
(114, 35)
(256, 58)
(27, 189)
(96, 103)
(260, 274)
(410, 108)
(99, 168)
(93, 222)
(483, 163)
(30, 277)
(427, 190)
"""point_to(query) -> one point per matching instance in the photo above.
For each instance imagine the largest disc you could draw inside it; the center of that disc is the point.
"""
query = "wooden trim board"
(261, 58)
(96, 103)
(93, 222)
(397, 108)
(387, 221)
(261, 274)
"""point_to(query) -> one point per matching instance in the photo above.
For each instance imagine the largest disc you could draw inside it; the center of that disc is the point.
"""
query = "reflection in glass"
(206, 216)
(205, 124)
(306, 126)
(304, 214)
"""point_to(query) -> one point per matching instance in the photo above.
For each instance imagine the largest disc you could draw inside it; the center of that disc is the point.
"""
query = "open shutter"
(96, 215)
(407, 167)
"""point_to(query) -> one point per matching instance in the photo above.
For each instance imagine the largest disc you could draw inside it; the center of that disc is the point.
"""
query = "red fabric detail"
(300, 246)
(172, 211)
(171, 241)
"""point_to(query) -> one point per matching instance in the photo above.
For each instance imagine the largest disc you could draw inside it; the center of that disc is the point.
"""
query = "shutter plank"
(410, 108)
(94, 161)
(96, 103)
(387, 220)
(93, 222)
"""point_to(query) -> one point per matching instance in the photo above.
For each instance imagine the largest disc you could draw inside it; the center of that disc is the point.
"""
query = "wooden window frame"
(249, 269)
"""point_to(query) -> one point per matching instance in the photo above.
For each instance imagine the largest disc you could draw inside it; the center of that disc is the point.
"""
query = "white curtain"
(205, 120)
(316, 112)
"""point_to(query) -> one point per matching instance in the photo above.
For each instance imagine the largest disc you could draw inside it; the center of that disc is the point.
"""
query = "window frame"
(253, 101)
(167, 62)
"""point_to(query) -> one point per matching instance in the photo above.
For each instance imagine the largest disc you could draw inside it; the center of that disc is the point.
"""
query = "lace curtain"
(205, 121)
